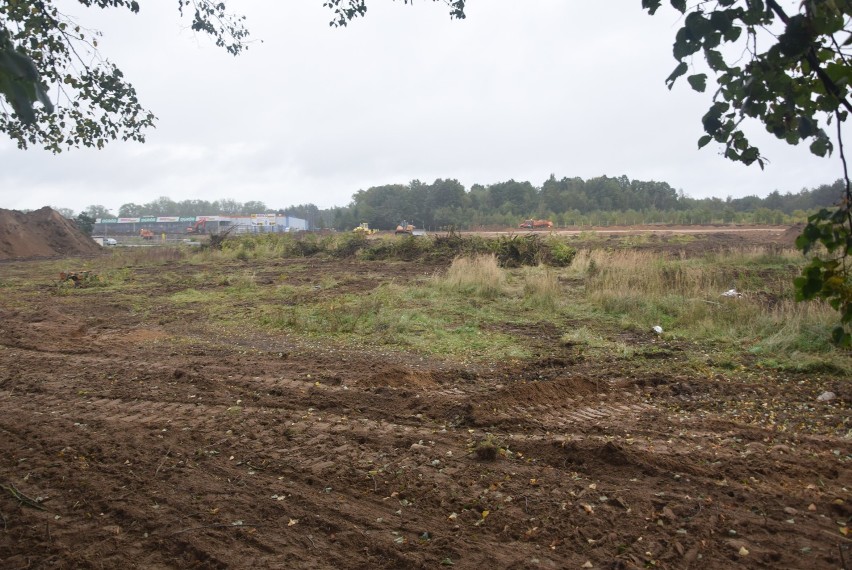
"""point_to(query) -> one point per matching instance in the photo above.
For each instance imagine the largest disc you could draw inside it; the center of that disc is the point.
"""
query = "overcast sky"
(520, 89)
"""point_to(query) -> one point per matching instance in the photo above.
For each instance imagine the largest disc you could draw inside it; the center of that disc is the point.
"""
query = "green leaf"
(750, 155)
(698, 81)
(712, 120)
(732, 34)
(721, 20)
(678, 71)
(840, 73)
(807, 127)
(704, 141)
(797, 38)
(651, 5)
(698, 25)
(804, 243)
(841, 338)
(685, 44)
(820, 146)
(715, 60)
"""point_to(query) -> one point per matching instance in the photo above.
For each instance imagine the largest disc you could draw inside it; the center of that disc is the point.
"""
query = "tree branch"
(813, 61)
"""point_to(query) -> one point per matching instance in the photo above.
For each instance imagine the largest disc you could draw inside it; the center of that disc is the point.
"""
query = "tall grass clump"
(684, 296)
(480, 276)
(541, 288)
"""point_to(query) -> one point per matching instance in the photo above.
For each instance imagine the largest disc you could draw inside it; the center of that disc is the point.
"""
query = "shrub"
(561, 254)
(348, 245)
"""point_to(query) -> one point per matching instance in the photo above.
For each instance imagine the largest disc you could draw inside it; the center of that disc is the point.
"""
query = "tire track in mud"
(298, 437)
(546, 417)
(302, 468)
(560, 403)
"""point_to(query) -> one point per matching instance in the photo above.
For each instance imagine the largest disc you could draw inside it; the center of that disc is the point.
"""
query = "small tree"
(85, 222)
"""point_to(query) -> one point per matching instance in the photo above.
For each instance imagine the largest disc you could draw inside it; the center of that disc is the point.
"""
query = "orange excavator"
(198, 227)
(147, 235)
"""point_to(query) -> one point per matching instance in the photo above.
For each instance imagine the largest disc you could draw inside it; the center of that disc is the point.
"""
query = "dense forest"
(447, 204)
(567, 202)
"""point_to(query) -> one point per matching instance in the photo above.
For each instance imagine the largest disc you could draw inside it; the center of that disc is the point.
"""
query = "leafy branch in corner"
(58, 92)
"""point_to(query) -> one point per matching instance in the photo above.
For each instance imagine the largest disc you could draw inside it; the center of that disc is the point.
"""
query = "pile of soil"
(42, 233)
(788, 238)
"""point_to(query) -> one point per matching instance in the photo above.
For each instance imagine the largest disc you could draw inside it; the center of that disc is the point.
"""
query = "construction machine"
(536, 224)
(147, 235)
(364, 229)
(198, 227)
(404, 228)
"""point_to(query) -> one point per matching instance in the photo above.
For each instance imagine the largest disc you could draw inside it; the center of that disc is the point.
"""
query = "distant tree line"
(567, 202)
(164, 206)
(446, 203)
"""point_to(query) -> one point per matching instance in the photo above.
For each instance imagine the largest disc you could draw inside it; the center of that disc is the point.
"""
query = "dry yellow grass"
(480, 275)
(541, 288)
(685, 295)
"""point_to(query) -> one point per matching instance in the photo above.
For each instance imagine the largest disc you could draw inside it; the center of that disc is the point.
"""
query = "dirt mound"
(398, 377)
(548, 392)
(43, 233)
(788, 238)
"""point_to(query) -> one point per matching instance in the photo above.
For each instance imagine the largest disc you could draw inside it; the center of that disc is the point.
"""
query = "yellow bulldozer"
(364, 229)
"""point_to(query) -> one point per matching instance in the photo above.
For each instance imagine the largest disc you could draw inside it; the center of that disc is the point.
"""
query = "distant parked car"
(110, 241)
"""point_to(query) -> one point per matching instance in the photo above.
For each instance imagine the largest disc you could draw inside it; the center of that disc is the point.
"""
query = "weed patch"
(480, 276)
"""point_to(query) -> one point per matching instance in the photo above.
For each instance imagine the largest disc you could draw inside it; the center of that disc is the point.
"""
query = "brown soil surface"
(42, 233)
(131, 440)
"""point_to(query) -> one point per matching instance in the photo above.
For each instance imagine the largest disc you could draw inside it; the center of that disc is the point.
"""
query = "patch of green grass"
(188, 296)
(681, 238)
(424, 319)
(584, 336)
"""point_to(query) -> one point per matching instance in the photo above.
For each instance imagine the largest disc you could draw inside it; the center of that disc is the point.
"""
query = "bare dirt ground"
(150, 440)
